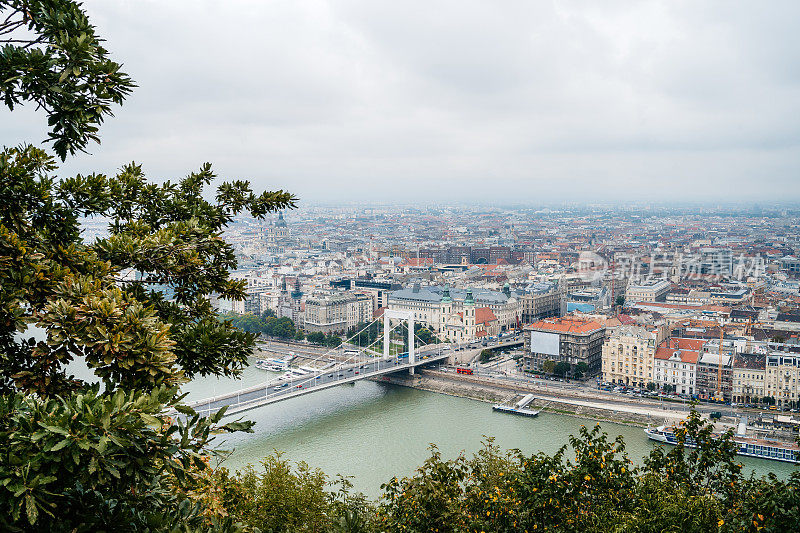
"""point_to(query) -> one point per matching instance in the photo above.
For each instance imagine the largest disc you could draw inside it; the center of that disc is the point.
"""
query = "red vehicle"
(463, 370)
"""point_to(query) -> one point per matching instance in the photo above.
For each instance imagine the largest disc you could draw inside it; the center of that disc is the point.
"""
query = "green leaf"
(114, 472)
(186, 410)
(60, 445)
(55, 429)
(150, 419)
(30, 509)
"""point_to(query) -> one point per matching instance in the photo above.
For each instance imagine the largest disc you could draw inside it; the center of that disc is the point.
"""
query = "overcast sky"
(495, 101)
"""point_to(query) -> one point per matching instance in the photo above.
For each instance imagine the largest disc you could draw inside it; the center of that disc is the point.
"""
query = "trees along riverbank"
(589, 485)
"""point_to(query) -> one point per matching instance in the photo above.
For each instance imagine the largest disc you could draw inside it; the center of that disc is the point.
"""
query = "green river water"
(373, 431)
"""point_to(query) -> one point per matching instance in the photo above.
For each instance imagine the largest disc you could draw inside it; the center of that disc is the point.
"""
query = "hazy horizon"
(516, 103)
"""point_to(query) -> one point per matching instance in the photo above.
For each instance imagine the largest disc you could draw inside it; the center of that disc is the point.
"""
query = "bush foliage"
(590, 485)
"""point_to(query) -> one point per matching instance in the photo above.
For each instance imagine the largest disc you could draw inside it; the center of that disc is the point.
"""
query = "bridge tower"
(388, 315)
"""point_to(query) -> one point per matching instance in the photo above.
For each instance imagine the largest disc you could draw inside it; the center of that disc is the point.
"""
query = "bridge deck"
(278, 390)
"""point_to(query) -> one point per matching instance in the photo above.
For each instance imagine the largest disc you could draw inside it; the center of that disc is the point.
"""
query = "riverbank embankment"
(573, 402)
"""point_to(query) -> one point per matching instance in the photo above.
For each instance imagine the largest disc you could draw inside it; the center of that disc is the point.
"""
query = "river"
(373, 431)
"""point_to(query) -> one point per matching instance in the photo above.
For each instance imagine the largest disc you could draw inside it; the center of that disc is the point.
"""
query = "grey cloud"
(466, 100)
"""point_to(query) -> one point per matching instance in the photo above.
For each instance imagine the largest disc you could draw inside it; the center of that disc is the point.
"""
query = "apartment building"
(781, 378)
(336, 313)
(428, 306)
(628, 356)
(714, 375)
(715, 261)
(748, 377)
(541, 300)
(675, 364)
(648, 291)
(569, 339)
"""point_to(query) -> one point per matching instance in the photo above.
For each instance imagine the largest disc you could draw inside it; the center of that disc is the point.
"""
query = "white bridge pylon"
(388, 315)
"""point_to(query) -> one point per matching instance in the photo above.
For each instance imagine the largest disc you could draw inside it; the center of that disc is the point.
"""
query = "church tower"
(445, 308)
(469, 315)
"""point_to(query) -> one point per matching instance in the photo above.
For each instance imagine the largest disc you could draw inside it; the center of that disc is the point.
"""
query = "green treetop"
(76, 456)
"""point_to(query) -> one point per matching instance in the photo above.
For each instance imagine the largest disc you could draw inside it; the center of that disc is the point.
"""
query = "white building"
(676, 364)
(427, 306)
(782, 378)
(336, 313)
(629, 355)
(648, 291)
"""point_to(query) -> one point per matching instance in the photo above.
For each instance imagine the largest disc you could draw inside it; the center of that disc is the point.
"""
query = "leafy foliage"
(279, 497)
(685, 489)
(52, 57)
(134, 305)
(561, 368)
(283, 327)
(332, 340)
(588, 486)
(62, 454)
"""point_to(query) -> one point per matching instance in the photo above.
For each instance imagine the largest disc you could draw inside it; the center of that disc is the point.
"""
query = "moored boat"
(748, 446)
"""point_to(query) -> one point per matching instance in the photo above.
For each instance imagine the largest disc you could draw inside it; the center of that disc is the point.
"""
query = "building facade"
(714, 376)
(649, 291)
(569, 339)
(629, 355)
(542, 300)
(336, 313)
(675, 364)
(431, 307)
(781, 378)
(748, 377)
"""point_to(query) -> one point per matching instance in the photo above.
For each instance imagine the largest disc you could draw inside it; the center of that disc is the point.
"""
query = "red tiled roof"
(681, 343)
(626, 319)
(688, 349)
(687, 356)
(484, 315)
(417, 261)
(567, 325)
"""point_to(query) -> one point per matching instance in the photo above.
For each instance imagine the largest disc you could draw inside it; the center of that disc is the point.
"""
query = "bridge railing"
(303, 384)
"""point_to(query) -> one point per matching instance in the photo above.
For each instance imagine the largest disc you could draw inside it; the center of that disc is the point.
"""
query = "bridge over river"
(277, 390)
(362, 363)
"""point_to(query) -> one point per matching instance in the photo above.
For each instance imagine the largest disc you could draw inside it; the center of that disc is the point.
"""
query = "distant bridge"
(361, 364)
(279, 390)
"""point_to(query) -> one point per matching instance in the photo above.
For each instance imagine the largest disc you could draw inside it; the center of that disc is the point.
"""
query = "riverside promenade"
(580, 401)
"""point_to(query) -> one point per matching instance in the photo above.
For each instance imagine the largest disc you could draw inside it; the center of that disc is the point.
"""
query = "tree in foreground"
(590, 485)
(76, 456)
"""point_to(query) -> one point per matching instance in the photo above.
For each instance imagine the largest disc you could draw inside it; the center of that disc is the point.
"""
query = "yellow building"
(748, 378)
(629, 355)
(781, 378)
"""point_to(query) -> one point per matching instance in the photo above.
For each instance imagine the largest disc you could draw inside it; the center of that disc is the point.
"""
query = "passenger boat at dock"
(273, 365)
(748, 446)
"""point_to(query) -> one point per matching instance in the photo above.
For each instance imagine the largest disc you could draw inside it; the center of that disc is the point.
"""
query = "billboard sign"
(546, 343)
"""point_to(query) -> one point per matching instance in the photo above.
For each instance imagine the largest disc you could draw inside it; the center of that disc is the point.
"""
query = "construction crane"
(719, 397)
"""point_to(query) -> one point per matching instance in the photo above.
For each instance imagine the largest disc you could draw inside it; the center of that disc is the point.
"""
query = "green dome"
(468, 299)
(446, 295)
